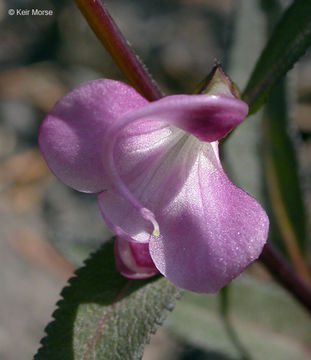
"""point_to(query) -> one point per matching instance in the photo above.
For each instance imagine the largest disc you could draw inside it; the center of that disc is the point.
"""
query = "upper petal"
(208, 117)
(71, 134)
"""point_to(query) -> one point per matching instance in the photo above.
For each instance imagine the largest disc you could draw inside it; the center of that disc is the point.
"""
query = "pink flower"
(162, 189)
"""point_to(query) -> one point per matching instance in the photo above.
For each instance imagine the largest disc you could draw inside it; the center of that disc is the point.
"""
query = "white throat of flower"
(183, 145)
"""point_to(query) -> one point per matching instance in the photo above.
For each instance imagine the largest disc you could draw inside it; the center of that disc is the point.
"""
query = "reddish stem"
(285, 274)
(134, 71)
(110, 36)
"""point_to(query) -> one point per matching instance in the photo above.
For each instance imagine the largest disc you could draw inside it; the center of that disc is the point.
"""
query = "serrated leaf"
(290, 39)
(267, 322)
(105, 316)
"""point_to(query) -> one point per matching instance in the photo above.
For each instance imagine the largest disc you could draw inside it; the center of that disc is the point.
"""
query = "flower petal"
(155, 188)
(71, 134)
(210, 232)
(133, 259)
(208, 117)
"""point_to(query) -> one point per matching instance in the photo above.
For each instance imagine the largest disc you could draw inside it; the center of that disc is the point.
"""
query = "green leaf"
(267, 322)
(285, 195)
(105, 316)
(289, 41)
(288, 222)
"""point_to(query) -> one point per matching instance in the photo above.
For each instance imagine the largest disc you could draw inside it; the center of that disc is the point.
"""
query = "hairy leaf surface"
(103, 315)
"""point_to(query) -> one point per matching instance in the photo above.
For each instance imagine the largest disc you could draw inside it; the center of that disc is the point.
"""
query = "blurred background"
(48, 229)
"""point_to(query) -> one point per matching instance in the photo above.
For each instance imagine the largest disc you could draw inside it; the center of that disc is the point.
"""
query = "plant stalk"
(119, 49)
(285, 274)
